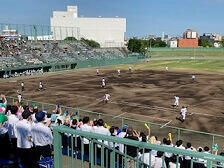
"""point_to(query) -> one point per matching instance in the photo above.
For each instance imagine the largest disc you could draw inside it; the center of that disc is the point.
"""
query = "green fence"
(197, 138)
(40, 32)
(186, 53)
(96, 152)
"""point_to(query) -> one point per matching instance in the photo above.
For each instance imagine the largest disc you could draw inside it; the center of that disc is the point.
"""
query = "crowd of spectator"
(24, 73)
(26, 133)
(15, 53)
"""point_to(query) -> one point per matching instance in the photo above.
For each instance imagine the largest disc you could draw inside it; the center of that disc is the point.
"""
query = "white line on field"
(166, 124)
(119, 115)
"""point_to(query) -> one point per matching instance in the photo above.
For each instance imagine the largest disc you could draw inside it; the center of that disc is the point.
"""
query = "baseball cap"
(40, 116)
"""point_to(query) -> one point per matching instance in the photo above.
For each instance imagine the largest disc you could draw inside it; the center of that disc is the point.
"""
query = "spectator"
(179, 145)
(12, 120)
(188, 158)
(86, 127)
(167, 154)
(173, 162)
(159, 161)
(42, 136)
(102, 130)
(122, 135)
(24, 137)
(131, 150)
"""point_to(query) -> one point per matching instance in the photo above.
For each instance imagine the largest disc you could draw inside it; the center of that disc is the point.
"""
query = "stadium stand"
(26, 133)
(15, 53)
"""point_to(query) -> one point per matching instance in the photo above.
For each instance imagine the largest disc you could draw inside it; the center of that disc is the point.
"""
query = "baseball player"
(106, 98)
(40, 86)
(193, 78)
(176, 101)
(118, 72)
(167, 68)
(183, 112)
(19, 97)
(97, 71)
(22, 86)
(130, 69)
(103, 83)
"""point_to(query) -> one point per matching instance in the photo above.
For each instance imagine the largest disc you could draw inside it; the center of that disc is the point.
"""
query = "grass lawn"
(185, 65)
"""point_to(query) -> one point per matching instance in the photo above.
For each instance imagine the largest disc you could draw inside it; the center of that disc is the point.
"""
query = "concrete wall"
(109, 32)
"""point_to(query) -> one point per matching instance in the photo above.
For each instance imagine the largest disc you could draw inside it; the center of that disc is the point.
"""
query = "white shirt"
(188, 157)
(176, 100)
(146, 157)
(107, 96)
(121, 146)
(169, 155)
(12, 120)
(159, 163)
(4, 128)
(118, 71)
(87, 128)
(102, 130)
(23, 132)
(193, 76)
(183, 111)
(22, 84)
(41, 135)
(180, 147)
(173, 165)
(19, 98)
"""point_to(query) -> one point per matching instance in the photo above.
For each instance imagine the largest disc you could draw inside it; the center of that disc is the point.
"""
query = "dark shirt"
(131, 150)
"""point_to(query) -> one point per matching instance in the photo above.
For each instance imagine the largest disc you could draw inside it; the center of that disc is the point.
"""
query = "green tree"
(222, 43)
(205, 43)
(91, 43)
(70, 39)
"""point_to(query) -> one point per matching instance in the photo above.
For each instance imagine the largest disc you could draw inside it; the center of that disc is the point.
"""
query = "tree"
(222, 43)
(91, 43)
(205, 43)
(70, 39)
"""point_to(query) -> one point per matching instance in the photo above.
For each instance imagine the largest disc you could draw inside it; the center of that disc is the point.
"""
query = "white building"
(109, 32)
(172, 43)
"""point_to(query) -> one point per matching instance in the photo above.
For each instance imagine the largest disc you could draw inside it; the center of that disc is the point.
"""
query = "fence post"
(57, 149)
(213, 141)
(178, 134)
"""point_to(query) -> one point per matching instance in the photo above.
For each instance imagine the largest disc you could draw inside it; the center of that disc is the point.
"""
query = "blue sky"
(143, 16)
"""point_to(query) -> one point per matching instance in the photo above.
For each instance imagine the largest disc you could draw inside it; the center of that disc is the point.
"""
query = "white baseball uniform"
(183, 112)
(176, 103)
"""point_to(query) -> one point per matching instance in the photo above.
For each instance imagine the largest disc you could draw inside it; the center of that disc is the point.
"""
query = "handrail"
(177, 151)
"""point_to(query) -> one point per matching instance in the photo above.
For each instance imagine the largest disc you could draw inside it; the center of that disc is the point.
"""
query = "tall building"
(109, 32)
(189, 40)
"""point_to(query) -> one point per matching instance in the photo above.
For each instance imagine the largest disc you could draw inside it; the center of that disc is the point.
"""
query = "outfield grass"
(185, 65)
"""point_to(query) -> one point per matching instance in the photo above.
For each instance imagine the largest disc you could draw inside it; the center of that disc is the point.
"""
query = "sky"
(144, 17)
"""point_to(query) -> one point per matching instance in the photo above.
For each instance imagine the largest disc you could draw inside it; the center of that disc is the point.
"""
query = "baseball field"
(147, 93)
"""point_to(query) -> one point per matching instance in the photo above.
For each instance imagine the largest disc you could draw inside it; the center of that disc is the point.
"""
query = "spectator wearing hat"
(122, 134)
(42, 136)
(24, 139)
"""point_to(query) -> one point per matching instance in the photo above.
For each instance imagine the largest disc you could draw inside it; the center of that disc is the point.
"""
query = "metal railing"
(97, 153)
(197, 138)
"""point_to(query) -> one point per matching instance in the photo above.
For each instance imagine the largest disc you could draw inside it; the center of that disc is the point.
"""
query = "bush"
(70, 39)
(91, 43)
